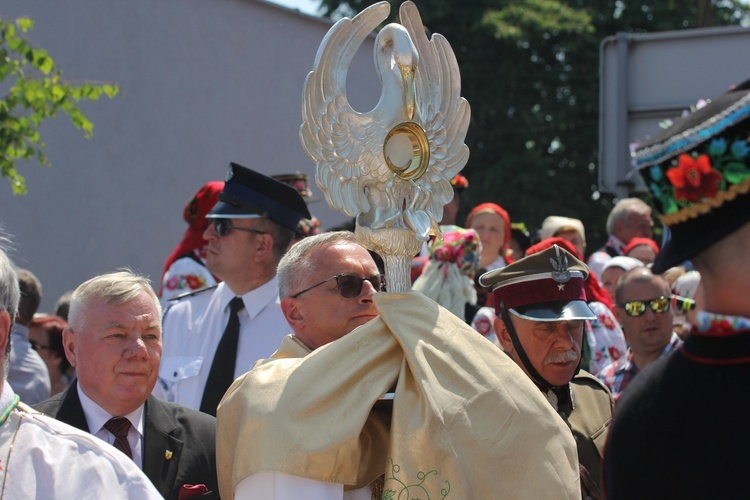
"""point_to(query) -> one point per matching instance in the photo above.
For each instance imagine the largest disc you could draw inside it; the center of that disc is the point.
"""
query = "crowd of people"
(516, 367)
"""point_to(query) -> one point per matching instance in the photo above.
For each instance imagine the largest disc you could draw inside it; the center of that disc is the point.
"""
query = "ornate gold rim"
(704, 207)
(420, 159)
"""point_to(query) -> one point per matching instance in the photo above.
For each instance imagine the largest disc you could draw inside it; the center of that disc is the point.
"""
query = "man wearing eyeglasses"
(381, 395)
(214, 335)
(643, 309)
(541, 309)
(326, 286)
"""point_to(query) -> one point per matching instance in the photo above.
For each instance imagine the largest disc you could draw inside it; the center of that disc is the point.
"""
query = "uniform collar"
(254, 300)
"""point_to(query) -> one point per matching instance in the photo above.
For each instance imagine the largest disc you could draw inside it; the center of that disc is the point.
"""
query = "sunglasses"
(223, 226)
(683, 304)
(350, 285)
(636, 308)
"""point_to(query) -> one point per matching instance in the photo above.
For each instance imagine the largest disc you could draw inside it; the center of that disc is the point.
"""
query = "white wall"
(202, 83)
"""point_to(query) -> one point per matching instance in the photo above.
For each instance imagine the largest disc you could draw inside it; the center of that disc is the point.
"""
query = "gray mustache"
(561, 357)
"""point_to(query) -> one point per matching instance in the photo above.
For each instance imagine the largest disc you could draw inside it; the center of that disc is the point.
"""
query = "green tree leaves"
(515, 20)
(530, 70)
(36, 92)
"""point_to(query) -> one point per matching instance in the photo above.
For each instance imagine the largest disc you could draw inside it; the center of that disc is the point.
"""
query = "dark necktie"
(221, 375)
(119, 426)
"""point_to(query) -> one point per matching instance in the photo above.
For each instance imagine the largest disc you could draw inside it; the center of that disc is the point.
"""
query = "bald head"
(639, 275)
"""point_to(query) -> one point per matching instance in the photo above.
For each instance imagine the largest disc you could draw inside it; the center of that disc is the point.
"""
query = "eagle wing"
(340, 140)
(441, 111)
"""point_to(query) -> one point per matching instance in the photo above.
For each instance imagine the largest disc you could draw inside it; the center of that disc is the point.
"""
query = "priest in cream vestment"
(412, 402)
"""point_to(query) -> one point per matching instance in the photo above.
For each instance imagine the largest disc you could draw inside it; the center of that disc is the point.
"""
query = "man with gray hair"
(113, 340)
(317, 420)
(44, 458)
(321, 313)
(630, 218)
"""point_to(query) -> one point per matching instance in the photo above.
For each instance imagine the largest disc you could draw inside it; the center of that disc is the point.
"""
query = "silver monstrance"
(390, 167)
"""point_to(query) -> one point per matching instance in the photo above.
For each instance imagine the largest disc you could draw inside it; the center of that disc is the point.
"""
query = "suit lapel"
(161, 450)
(70, 410)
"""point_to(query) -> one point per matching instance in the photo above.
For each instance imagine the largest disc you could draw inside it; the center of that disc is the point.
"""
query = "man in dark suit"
(113, 340)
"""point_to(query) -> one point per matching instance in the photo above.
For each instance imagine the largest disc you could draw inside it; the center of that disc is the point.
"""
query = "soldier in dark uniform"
(681, 429)
(541, 308)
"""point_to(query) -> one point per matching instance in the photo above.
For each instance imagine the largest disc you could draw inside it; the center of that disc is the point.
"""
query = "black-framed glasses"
(683, 304)
(636, 308)
(223, 226)
(350, 285)
(36, 346)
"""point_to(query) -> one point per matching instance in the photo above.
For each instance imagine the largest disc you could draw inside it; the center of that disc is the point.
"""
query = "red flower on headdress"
(694, 179)
(721, 328)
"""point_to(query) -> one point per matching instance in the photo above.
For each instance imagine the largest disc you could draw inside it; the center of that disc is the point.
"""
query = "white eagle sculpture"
(390, 167)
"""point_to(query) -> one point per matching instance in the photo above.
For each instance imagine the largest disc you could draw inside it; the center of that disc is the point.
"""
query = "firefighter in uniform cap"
(541, 308)
(214, 335)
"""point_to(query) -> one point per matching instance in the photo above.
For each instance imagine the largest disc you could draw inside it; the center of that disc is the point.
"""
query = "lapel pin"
(168, 455)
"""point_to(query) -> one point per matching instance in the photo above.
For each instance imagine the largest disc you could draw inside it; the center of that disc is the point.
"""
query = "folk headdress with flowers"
(700, 168)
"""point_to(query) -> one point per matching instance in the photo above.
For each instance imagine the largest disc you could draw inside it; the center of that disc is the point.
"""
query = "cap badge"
(560, 271)
(229, 175)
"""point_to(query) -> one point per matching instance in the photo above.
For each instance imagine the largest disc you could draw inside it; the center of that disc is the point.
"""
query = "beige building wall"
(203, 83)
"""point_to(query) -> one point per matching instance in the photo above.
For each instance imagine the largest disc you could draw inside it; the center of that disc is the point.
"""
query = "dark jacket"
(189, 435)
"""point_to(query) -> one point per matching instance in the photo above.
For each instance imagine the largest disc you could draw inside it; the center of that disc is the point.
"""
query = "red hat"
(195, 215)
(640, 241)
(487, 208)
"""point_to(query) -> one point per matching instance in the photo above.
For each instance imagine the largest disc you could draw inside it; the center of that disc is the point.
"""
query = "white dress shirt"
(275, 485)
(53, 460)
(96, 417)
(193, 328)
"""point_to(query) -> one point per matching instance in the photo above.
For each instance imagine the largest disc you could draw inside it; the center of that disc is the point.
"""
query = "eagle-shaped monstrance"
(390, 167)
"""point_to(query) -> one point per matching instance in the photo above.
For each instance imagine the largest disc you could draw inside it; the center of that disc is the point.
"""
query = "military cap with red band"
(545, 286)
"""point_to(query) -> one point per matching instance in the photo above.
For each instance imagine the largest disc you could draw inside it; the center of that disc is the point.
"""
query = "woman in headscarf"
(643, 249)
(568, 229)
(492, 223)
(185, 269)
